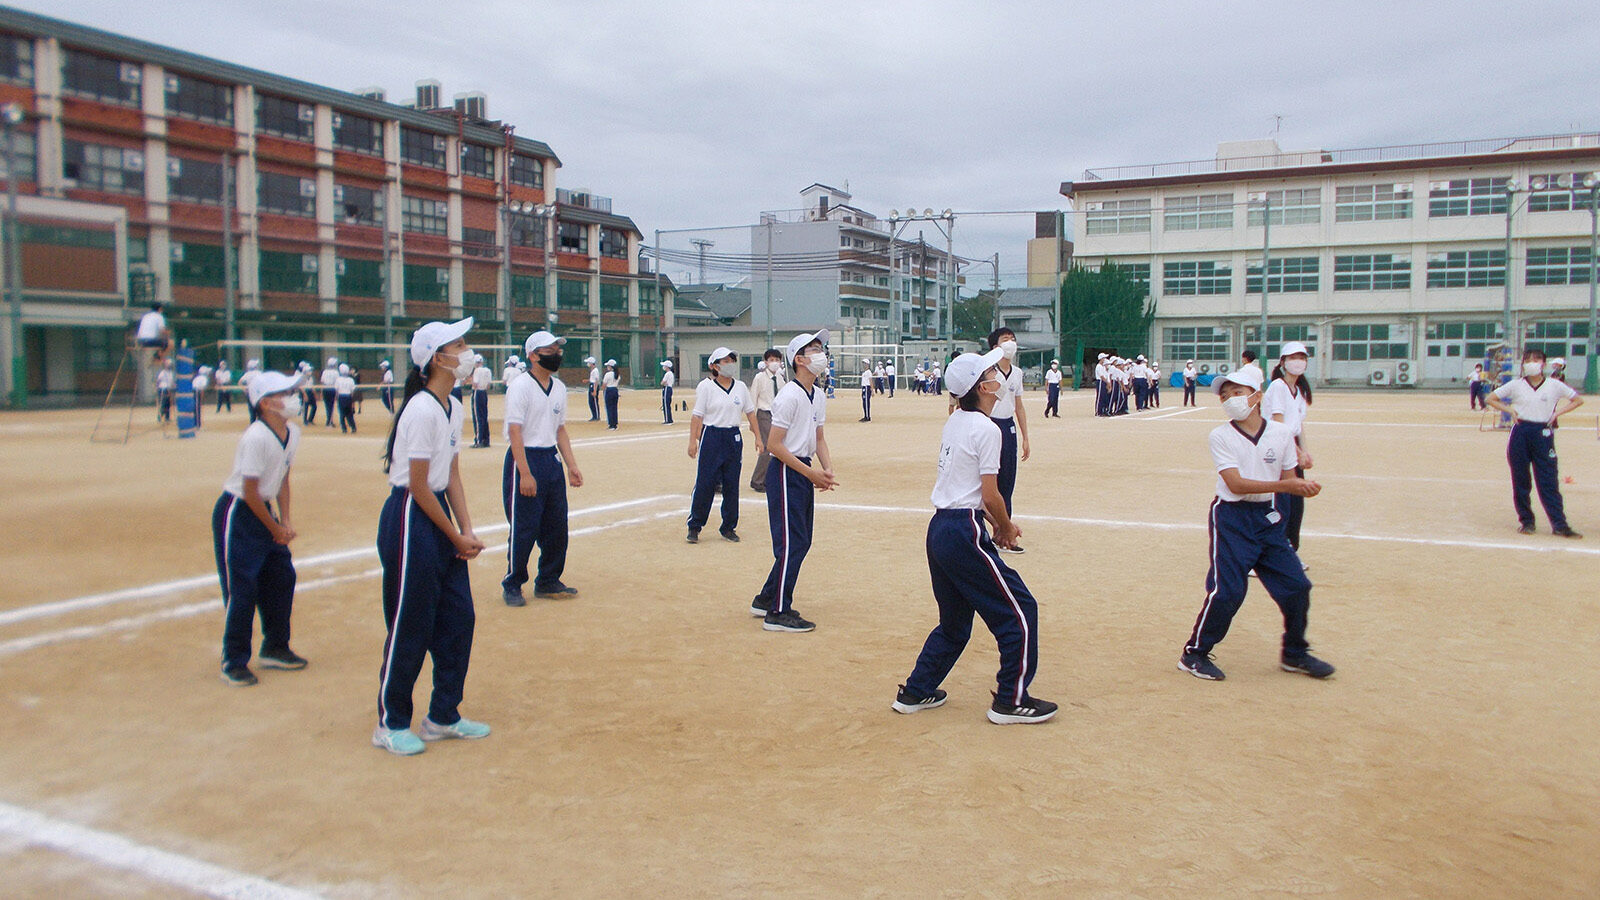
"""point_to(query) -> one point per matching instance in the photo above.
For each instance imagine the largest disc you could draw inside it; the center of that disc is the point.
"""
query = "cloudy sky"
(704, 114)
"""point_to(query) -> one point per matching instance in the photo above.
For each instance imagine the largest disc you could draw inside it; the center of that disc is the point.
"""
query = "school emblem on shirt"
(1271, 457)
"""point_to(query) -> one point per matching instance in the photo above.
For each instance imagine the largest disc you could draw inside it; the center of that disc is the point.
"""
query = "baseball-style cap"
(344, 369)
(429, 338)
(541, 339)
(1291, 349)
(333, 360)
(719, 353)
(1249, 376)
(966, 369)
(799, 341)
(588, 360)
(612, 363)
(1102, 356)
(384, 364)
(666, 364)
(269, 382)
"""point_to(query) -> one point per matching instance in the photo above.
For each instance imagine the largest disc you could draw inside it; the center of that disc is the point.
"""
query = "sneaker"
(399, 741)
(1526, 529)
(281, 659)
(731, 537)
(559, 592)
(788, 620)
(1030, 712)
(1305, 664)
(693, 536)
(1566, 533)
(1016, 549)
(513, 597)
(1200, 666)
(239, 676)
(430, 730)
(760, 607)
(908, 703)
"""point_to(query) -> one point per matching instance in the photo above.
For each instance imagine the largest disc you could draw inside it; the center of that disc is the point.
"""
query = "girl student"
(425, 538)
(719, 401)
(1287, 400)
(344, 389)
(1536, 402)
(251, 539)
(610, 384)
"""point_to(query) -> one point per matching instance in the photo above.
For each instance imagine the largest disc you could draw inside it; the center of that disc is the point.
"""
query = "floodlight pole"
(1591, 371)
(1266, 282)
(1511, 203)
(10, 115)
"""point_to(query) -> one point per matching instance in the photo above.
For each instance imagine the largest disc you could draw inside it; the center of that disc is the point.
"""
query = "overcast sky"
(704, 114)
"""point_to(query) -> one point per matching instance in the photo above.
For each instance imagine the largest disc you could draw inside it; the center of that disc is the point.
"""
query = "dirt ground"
(651, 740)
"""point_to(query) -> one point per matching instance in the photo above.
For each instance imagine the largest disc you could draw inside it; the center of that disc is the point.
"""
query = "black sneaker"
(788, 620)
(1305, 664)
(513, 597)
(559, 592)
(1526, 529)
(1031, 711)
(693, 536)
(730, 536)
(239, 676)
(1566, 533)
(908, 703)
(1016, 549)
(760, 607)
(281, 659)
(1200, 666)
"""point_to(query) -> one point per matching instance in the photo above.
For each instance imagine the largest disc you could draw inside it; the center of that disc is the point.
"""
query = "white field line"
(118, 852)
(1345, 476)
(588, 442)
(55, 608)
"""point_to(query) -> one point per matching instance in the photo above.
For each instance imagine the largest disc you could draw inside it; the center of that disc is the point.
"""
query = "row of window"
(1379, 341)
(1379, 272)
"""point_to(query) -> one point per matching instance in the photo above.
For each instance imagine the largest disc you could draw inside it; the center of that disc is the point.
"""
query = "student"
(938, 378)
(386, 391)
(1155, 385)
(1255, 459)
(888, 376)
(510, 373)
(968, 575)
(878, 377)
(533, 492)
(1286, 401)
(798, 415)
(1141, 382)
(223, 377)
(667, 381)
(866, 390)
(166, 385)
(1102, 386)
(594, 388)
(344, 392)
(1052, 390)
(719, 401)
(251, 539)
(154, 334)
(1536, 403)
(355, 395)
(613, 388)
(197, 386)
(308, 393)
(425, 539)
(1191, 377)
(1008, 413)
(764, 387)
(482, 381)
(330, 394)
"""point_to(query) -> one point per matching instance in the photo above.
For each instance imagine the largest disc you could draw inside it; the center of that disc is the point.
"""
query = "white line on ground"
(118, 852)
(586, 442)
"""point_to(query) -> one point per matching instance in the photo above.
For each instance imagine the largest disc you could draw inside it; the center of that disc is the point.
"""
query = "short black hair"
(155, 307)
(994, 336)
(1248, 356)
(772, 353)
(1531, 352)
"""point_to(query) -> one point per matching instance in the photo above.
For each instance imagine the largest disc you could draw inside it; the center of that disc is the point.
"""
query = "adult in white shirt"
(482, 381)
(1052, 390)
(763, 390)
(1191, 377)
(594, 388)
(720, 401)
(667, 381)
(534, 491)
(1536, 402)
(1287, 399)
(344, 393)
(154, 334)
(330, 391)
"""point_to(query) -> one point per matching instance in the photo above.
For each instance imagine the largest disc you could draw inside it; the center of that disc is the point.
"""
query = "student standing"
(330, 394)
(1052, 390)
(510, 373)
(1141, 382)
(798, 415)
(594, 388)
(938, 378)
(1287, 400)
(968, 575)
(613, 389)
(1155, 385)
(1475, 388)
(197, 386)
(1536, 402)
(344, 391)
(1102, 386)
(223, 377)
(166, 385)
(532, 487)
(1191, 377)
(866, 391)
(251, 539)
(888, 376)
(1255, 460)
(1008, 413)
(386, 391)
(763, 390)
(482, 381)
(667, 381)
(720, 400)
(425, 539)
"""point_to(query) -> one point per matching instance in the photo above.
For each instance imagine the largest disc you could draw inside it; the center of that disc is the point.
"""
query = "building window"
(572, 294)
(1467, 197)
(1559, 198)
(1355, 343)
(1285, 275)
(25, 153)
(101, 77)
(481, 304)
(573, 237)
(195, 98)
(360, 278)
(59, 236)
(477, 160)
(100, 168)
(354, 205)
(1479, 336)
(288, 195)
(1467, 268)
(527, 171)
(1557, 265)
(1200, 344)
(1276, 336)
(1117, 216)
(289, 273)
(1190, 278)
(1372, 202)
(427, 284)
(1554, 337)
(1198, 212)
(649, 300)
(1372, 272)
(194, 180)
(527, 291)
(526, 230)
(196, 265)
(282, 116)
(1301, 206)
(422, 147)
(424, 216)
(16, 59)
(357, 133)
(478, 242)
(614, 243)
(613, 297)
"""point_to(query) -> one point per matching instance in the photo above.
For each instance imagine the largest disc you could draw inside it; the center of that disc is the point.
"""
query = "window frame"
(1285, 275)
(1306, 208)
(199, 99)
(1123, 216)
(1477, 196)
(1197, 212)
(343, 124)
(1372, 272)
(187, 176)
(418, 215)
(1196, 278)
(275, 197)
(423, 148)
(272, 115)
(1467, 268)
(105, 78)
(130, 167)
(1386, 202)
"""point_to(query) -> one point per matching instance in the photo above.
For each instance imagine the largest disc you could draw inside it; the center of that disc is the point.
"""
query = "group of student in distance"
(1116, 379)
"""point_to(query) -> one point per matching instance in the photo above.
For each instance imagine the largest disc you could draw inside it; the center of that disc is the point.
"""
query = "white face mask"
(1532, 369)
(466, 361)
(772, 366)
(817, 363)
(291, 406)
(1238, 407)
(998, 384)
(1008, 349)
(728, 369)
(1294, 366)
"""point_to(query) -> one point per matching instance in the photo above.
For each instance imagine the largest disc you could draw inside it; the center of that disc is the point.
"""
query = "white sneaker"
(399, 741)
(430, 730)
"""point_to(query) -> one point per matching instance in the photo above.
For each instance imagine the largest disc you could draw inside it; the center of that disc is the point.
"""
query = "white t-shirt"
(540, 412)
(722, 408)
(1052, 376)
(200, 383)
(938, 372)
(388, 376)
(802, 414)
(344, 385)
(262, 456)
(481, 378)
(1290, 404)
(224, 376)
(889, 370)
(968, 449)
(151, 324)
(1263, 457)
(1099, 371)
(330, 377)
(164, 379)
(866, 377)
(1005, 405)
(1139, 371)
(1534, 404)
(668, 379)
(610, 380)
(508, 375)
(877, 372)
(427, 431)
(1190, 373)
(594, 376)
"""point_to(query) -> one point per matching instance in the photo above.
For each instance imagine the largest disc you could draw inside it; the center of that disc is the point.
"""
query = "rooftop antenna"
(1277, 123)
(702, 243)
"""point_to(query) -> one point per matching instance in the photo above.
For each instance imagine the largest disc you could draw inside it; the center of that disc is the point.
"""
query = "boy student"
(1536, 402)
(251, 539)
(763, 390)
(1007, 413)
(594, 388)
(798, 414)
(1052, 389)
(482, 381)
(968, 575)
(1255, 459)
(532, 487)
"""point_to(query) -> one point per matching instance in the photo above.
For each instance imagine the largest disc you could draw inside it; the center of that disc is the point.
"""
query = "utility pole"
(230, 262)
(1591, 371)
(769, 282)
(1511, 202)
(1266, 282)
(702, 244)
(10, 116)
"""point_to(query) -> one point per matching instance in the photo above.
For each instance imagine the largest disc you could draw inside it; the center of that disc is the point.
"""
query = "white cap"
(1055, 362)
(344, 369)
(384, 364)
(588, 360)
(203, 370)
(1249, 376)
(1102, 356)
(333, 360)
(1188, 362)
(666, 364)
(799, 341)
(966, 369)
(270, 383)
(522, 366)
(719, 353)
(541, 339)
(480, 358)
(1291, 349)
(253, 364)
(429, 338)
(612, 363)
(1558, 361)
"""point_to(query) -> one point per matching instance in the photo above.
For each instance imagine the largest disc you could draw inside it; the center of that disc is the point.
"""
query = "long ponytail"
(416, 381)
(1304, 385)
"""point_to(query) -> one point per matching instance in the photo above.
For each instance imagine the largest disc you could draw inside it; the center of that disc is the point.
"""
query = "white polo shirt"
(802, 414)
(594, 376)
(427, 431)
(540, 412)
(224, 376)
(1099, 371)
(151, 324)
(866, 377)
(1534, 404)
(1052, 376)
(344, 386)
(1139, 371)
(720, 407)
(1291, 404)
(388, 376)
(508, 375)
(1190, 373)
(1005, 405)
(200, 383)
(262, 456)
(669, 379)
(329, 376)
(165, 379)
(481, 379)
(611, 380)
(1261, 457)
(968, 450)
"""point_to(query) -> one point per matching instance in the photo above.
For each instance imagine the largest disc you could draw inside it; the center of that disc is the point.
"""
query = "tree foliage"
(975, 317)
(1106, 308)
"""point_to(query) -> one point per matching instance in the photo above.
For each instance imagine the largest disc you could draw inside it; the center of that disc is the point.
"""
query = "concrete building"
(1049, 252)
(1391, 263)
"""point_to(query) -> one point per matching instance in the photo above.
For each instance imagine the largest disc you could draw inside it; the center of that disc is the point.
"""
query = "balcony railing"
(583, 199)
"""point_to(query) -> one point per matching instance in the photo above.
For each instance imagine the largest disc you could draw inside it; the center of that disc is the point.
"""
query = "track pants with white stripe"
(427, 606)
(540, 519)
(1242, 539)
(1006, 479)
(717, 463)
(257, 575)
(791, 505)
(480, 418)
(968, 577)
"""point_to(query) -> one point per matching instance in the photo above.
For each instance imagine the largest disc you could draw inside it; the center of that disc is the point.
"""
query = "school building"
(1394, 265)
(279, 210)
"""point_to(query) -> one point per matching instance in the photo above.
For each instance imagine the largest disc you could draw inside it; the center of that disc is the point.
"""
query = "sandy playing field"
(651, 740)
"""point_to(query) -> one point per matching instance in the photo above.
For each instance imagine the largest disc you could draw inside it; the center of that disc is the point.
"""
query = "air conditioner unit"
(308, 187)
(174, 167)
(1404, 379)
(442, 276)
(308, 263)
(1378, 376)
(307, 113)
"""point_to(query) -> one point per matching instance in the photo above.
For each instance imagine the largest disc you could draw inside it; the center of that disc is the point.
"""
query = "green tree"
(1105, 309)
(975, 317)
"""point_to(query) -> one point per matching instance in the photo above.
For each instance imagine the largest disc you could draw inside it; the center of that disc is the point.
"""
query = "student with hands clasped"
(720, 400)
(1536, 402)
